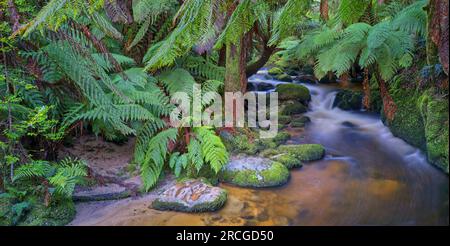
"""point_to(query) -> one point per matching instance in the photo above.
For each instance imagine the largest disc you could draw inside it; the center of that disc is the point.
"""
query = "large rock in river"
(348, 100)
(191, 196)
(304, 152)
(296, 92)
(255, 172)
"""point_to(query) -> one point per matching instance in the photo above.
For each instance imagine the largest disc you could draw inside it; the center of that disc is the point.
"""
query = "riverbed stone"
(304, 152)
(296, 92)
(190, 196)
(99, 193)
(255, 172)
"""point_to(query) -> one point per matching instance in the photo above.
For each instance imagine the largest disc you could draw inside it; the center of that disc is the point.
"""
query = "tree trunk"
(437, 40)
(366, 89)
(265, 56)
(344, 80)
(389, 106)
(324, 10)
(235, 74)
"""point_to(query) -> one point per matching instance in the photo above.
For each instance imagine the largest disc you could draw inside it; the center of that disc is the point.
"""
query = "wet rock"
(284, 119)
(300, 122)
(284, 77)
(190, 196)
(264, 86)
(348, 100)
(349, 124)
(288, 160)
(306, 78)
(293, 108)
(99, 193)
(275, 71)
(304, 152)
(255, 172)
(295, 92)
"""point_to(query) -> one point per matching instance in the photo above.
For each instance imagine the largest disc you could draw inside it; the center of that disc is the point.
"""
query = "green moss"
(288, 161)
(284, 77)
(294, 108)
(304, 152)
(293, 92)
(57, 214)
(435, 116)
(284, 119)
(407, 123)
(277, 174)
(203, 207)
(269, 153)
(348, 100)
(275, 71)
(281, 138)
(239, 143)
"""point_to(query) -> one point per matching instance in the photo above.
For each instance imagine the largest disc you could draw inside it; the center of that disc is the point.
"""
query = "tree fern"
(155, 156)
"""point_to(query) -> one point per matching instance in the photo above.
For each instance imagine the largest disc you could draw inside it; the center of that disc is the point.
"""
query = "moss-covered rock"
(293, 92)
(255, 172)
(284, 77)
(436, 126)
(407, 123)
(191, 196)
(275, 71)
(348, 100)
(284, 119)
(288, 160)
(304, 152)
(239, 143)
(269, 153)
(300, 122)
(293, 108)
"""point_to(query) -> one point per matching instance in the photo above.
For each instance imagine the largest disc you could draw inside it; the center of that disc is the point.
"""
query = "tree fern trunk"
(366, 89)
(324, 10)
(235, 67)
(389, 106)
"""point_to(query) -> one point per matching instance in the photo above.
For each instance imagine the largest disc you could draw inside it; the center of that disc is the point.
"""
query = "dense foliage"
(109, 67)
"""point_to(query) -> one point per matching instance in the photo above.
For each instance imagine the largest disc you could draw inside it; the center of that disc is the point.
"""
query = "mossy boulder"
(255, 172)
(307, 78)
(436, 126)
(284, 77)
(190, 196)
(348, 100)
(275, 71)
(288, 160)
(284, 119)
(293, 108)
(304, 152)
(296, 92)
(300, 122)
(407, 123)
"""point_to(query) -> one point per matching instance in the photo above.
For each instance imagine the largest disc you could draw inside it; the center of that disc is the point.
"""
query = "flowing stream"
(368, 177)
